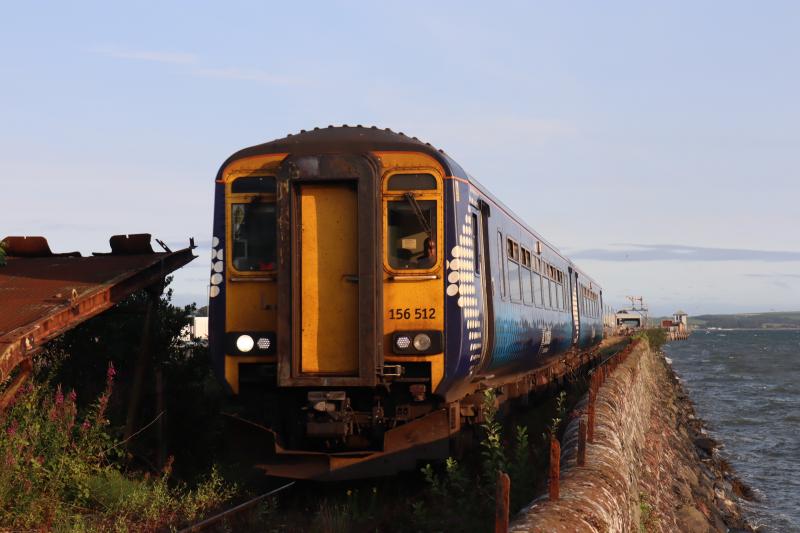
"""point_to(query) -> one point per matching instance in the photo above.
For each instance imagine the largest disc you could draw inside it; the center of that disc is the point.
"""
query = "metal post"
(502, 502)
(590, 417)
(555, 467)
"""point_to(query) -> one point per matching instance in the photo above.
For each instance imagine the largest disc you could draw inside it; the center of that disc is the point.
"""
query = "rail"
(234, 510)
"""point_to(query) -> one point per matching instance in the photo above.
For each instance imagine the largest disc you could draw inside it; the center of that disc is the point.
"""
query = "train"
(365, 290)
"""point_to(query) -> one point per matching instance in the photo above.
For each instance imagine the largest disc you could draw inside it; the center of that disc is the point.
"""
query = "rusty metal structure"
(43, 294)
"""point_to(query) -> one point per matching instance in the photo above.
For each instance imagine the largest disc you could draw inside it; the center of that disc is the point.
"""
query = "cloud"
(246, 74)
(174, 58)
(677, 252)
(194, 66)
(774, 276)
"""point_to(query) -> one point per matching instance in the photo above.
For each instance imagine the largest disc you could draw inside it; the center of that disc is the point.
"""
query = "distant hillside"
(748, 320)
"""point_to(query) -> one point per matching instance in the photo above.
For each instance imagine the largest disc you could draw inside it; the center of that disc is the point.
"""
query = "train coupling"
(329, 415)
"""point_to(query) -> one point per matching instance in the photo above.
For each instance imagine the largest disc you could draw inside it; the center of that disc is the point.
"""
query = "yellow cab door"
(328, 278)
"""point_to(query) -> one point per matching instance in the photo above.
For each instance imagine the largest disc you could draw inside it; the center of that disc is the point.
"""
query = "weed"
(61, 471)
(655, 337)
(647, 518)
(494, 458)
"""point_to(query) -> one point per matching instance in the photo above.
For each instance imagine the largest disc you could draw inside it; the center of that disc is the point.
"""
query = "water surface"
(746, 386)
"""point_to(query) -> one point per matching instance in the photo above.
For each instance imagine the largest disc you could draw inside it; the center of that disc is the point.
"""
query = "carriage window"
(411, 182)
(525, 275)
(501, 261)
(537, 289)
(514, 280)
(254, 235)
(411, 239)
(560, 294)
(514, 283)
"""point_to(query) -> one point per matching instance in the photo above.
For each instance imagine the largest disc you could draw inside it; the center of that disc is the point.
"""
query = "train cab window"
(254, 184)
(254, 235)
(411, 240)
(411, 182)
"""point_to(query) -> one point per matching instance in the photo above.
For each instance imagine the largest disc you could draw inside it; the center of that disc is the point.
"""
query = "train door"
(483, 282)
(576, 316)
(328, 278)
(327, 272)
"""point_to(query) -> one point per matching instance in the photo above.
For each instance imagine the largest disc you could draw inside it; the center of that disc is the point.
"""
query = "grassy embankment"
(66, 466)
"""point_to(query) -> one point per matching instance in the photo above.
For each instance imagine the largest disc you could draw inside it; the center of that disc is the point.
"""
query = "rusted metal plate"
(43, 295)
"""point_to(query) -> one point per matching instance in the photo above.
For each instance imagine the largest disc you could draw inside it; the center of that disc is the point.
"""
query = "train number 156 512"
(406, 313)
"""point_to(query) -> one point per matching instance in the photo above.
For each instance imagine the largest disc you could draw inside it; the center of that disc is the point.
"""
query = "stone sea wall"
(650, 467)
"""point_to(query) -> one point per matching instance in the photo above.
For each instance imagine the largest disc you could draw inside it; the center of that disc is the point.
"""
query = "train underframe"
(348, 433)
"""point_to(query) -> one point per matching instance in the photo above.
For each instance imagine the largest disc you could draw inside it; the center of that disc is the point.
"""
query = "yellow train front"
(355, 301)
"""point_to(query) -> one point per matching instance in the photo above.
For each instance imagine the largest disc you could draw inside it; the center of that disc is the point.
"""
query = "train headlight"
(245, 343)
(403, 342)
(422, 342)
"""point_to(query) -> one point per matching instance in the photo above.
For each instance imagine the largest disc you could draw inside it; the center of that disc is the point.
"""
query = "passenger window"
(514, 282)
(560, 296)
(501, 261)
(537, 289)
(254, 236)
(411, 241)
(525, 276)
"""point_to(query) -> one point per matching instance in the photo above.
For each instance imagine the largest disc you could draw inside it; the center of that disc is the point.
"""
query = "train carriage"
(363, 286)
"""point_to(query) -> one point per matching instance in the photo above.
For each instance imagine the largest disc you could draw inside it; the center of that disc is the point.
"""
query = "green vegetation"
(776, 320)
(656, 337)
(64, 471)
(647, 516)
(64, 464)
(2, 253)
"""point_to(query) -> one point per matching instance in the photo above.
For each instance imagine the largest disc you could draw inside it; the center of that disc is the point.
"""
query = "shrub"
(656, 337)
(60, 471)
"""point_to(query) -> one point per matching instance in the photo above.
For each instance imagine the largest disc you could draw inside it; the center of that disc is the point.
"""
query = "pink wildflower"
(86, 425)
(111, 372)
(12, 429)
(59, 396)
(72, 396)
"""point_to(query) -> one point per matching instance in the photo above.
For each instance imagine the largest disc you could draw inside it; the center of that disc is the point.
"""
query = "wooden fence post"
(555, 467)
(502, 501)
(590, 417)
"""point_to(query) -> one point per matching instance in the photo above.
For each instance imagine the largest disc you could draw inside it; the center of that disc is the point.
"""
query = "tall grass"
(61, 471)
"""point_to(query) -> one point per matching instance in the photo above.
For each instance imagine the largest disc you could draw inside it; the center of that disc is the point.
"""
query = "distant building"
(629, 319)
(196, 330)
(678, 327)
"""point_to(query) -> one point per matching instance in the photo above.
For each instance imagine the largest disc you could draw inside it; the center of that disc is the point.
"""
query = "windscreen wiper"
(420, 215)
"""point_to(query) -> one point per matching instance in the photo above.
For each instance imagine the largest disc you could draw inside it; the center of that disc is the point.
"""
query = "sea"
(746, 385)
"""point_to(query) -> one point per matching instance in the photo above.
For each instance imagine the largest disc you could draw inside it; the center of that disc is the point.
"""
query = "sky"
(655, 143)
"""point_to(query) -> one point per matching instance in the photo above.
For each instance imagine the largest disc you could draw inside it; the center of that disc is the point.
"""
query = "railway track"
(234, 511)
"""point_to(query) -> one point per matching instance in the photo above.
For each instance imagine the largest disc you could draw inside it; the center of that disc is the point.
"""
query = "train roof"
(479, 186)
(337, 139)
(346, 138)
